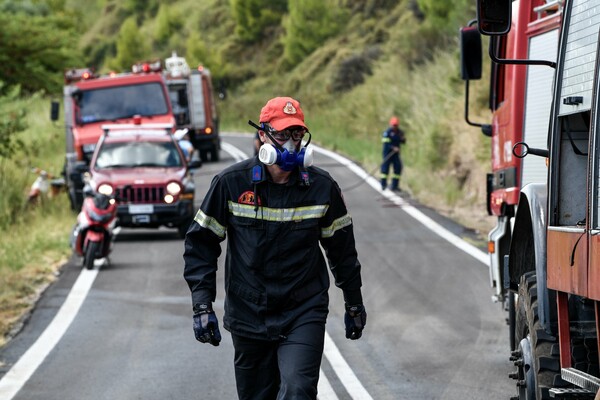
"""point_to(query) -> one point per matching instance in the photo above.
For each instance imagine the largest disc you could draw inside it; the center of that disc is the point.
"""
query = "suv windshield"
(138, 154)
(112, 103)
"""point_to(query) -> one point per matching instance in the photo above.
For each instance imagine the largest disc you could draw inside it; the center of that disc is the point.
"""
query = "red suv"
(146, 169)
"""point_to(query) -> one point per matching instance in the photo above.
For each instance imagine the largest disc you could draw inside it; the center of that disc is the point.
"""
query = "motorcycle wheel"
(90, 254)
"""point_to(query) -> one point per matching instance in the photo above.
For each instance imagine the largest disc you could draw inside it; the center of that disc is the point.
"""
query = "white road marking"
(16, 377)
(350, 381)
(410, 210)
(324, 389)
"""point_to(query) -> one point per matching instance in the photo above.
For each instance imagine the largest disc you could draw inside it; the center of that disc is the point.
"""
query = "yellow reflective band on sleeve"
(338, 224)
(277, 214)
(210, 223)
(386, 140)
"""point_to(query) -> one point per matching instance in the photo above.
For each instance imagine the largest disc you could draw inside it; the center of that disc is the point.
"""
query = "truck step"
(571, 393)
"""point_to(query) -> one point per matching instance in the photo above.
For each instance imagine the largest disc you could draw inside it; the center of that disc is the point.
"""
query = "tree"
(132, 47)
(167, 24)
(309, 24)
(35, 50)
(253, 17)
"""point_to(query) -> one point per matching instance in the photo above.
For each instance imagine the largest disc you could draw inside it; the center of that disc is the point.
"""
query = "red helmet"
(394, 121)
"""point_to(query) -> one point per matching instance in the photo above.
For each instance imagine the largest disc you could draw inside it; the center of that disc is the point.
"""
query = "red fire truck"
(553, 260)
(194, 105)
(520, 101)
(91, 101)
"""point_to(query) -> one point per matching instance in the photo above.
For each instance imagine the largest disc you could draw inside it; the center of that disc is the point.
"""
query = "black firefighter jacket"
(276, 277)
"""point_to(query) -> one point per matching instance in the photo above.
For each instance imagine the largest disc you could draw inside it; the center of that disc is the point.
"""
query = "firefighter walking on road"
(392, 138)
(276, 211)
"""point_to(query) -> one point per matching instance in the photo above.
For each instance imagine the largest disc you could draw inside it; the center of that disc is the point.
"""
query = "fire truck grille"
(141, 194)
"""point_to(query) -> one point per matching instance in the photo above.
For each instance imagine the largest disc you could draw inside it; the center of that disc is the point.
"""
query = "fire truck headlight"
(169, 199)
(174, 188)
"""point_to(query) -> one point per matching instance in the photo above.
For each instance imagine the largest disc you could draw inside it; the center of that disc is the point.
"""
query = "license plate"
(141, 209)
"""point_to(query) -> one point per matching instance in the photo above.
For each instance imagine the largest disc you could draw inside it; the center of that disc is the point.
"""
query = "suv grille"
(141, 194)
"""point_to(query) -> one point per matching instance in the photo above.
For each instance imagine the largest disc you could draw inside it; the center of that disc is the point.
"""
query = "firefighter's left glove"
(355, 320)
(206, 326)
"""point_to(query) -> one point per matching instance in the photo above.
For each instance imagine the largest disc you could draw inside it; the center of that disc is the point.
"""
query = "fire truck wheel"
(510, 305)
(214, 154)
(203, 155)
(537, 365)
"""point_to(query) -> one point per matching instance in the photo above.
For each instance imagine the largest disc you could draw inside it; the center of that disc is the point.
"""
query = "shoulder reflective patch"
(210, 223)
(277, 214)
(338, 224)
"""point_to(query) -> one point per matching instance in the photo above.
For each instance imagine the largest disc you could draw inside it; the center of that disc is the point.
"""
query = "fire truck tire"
(510, 305)
(214, 154)
(203, 155)
(90, 254)
(537, 358)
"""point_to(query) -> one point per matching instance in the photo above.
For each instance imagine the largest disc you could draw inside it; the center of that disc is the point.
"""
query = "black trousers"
(276, 370)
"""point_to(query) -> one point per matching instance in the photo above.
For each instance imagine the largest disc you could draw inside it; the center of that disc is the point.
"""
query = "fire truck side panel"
(567, 239)
(538, 102)
(579, 56)
(197, 114)
(567, 260)
(522, 114)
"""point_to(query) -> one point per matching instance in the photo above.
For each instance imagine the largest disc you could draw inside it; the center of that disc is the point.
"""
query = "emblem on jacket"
(248, 198)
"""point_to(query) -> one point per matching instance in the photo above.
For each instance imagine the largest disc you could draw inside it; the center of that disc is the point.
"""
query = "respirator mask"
(287, 156)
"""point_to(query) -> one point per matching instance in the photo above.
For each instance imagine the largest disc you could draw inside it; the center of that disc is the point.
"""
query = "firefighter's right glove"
(206, 326)
(355, 320)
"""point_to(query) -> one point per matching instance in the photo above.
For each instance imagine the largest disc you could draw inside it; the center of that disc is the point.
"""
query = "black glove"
(355, 320)
(206, 326)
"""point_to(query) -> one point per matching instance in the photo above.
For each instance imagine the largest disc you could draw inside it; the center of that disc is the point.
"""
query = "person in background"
(183, 140)
(276, 212)
(392, 138)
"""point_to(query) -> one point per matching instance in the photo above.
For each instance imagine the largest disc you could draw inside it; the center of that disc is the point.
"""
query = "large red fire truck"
(91, 101)
(553, 260)
(520, 101)
(194, 105)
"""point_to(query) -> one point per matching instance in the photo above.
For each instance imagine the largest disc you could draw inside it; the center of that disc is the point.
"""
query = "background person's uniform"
(276, 278)
(392, 137)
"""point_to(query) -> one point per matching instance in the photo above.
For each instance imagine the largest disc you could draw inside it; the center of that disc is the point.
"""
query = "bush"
(352, 70)
(309, 24)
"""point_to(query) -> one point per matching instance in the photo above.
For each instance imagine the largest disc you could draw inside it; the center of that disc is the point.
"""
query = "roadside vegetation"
(352, 64)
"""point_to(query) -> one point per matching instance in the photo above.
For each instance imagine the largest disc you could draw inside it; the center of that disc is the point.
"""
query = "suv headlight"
(174, 188)
(105, 189)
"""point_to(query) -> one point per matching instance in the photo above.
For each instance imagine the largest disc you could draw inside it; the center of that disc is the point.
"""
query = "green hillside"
(352, 63)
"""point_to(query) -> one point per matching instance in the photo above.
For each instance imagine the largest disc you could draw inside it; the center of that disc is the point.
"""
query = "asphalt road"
(432, 330)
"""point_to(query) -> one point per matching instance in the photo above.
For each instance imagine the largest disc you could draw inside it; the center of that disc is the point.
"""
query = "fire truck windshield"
(112, 103)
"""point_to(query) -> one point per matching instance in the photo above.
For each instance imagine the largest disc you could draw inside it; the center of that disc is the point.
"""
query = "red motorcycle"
(92, 235)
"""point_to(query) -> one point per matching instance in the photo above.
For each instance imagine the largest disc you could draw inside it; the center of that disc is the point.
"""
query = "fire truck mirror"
(470, 53)
(493, 16)
(54, 109)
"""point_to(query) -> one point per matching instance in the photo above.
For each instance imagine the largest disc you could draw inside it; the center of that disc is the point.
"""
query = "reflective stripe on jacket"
(275, 272)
